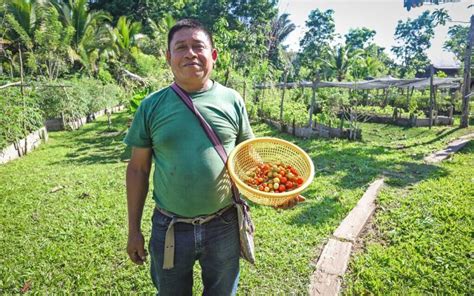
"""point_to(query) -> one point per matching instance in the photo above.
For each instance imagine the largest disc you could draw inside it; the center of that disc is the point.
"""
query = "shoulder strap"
(213, 137)
(207, 128)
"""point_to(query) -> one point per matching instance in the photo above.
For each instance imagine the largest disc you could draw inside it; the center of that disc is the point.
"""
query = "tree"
(281, 27)
(341, 60)
(20, 16)
(157, 42)
(90, 34)
(414, 38)
(359, 38)
(457, 41)
(315, 42)
(52, 42)
(76, 13)
(126, 35)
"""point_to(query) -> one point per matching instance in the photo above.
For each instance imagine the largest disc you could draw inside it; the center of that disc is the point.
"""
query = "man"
(190, 179)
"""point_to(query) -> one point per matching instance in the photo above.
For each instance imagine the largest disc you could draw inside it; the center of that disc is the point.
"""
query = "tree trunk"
(467, 76)
(227, 75)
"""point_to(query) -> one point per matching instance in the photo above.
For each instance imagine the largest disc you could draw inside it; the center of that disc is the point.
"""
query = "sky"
(379, 15)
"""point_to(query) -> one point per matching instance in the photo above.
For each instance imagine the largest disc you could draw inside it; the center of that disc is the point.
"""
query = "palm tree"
(159, 33)
(20, 16)
(76, 13)
(126, 34)
(91, 36)
(281, 27)
(366, 67)
(341, 59)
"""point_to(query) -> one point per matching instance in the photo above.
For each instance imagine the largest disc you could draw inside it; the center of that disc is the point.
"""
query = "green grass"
(73, 240)
(422, 239)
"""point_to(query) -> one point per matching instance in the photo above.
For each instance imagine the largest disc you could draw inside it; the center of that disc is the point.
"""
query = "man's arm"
(138, 173)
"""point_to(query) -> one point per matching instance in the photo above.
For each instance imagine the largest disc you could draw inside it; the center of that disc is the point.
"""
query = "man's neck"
(196, 88)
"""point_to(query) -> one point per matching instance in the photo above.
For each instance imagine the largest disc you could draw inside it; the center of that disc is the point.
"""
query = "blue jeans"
(214, 244)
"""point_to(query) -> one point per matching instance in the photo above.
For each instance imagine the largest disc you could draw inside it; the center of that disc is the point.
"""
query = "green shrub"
(19, 116)
(78, 97)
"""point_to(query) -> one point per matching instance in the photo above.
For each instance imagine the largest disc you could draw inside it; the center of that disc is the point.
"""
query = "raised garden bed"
(57, 124)
(23, 146)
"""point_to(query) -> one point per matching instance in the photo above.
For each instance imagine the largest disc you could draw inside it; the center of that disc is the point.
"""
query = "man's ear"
(214, 54)
(168, 57)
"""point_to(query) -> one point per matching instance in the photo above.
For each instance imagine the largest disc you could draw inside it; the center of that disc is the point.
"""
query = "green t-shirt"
(190, 178)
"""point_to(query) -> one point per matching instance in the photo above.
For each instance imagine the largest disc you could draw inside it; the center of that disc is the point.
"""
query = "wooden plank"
(466, 88)
(325, 284)
(335, 257)
(453, 147)
(331, 266)
(355, 221)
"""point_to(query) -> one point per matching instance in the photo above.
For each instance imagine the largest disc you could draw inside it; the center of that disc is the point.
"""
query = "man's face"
(191, 56)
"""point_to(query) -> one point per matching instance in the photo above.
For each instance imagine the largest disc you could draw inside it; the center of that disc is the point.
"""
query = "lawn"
(421, 239)
(63, 227)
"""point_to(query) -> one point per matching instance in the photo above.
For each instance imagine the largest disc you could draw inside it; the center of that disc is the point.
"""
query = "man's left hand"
(291, 202)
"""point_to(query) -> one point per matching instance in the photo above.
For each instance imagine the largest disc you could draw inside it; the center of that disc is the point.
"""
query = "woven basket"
(248, 154)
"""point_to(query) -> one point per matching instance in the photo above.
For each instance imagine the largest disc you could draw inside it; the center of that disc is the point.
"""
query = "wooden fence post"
(283, 95)
(313, 102)
(467, 76)
(22, 91)
(431, 95)
(385, 100)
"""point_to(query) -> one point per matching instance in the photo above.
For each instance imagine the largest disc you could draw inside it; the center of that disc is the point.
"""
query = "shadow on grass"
(95, 143)
(356, 166)
(441, 135)
(319, 213)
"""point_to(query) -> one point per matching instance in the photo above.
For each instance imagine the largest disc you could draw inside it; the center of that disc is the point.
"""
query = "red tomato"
(289, 184)
(282, 188)
(261, 188)
(299, 181)
(282, 172)
(283, 180)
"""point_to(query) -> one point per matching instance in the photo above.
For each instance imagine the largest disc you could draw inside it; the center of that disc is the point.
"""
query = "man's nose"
(190, 52)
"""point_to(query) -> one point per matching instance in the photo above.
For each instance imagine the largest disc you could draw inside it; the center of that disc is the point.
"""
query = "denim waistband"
(168, 258)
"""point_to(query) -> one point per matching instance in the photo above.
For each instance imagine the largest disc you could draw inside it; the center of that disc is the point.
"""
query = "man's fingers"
(136, 258)
(142, 254)
(136, 249)
(291, 202)
(300, 198)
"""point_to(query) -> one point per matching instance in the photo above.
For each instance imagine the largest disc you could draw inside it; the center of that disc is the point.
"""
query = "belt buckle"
(197, 221)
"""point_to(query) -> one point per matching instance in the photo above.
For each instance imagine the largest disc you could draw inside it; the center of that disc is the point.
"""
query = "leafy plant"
(20, 116)
(136, 99)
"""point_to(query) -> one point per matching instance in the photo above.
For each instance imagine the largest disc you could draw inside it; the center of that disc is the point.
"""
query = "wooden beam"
(467, 77)
(431, 95)
(11, 84)
(283, 94)
(313, 102)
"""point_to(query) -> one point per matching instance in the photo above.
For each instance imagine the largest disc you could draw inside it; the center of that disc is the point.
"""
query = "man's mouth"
(192, 64)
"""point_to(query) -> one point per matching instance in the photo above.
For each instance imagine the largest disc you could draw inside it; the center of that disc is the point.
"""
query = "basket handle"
(211, 134)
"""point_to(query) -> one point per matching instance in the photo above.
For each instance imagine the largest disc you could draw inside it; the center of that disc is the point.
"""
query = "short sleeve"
(245, 130)
(138, 134)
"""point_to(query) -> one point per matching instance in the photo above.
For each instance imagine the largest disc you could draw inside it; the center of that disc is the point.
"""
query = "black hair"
(189, 24)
